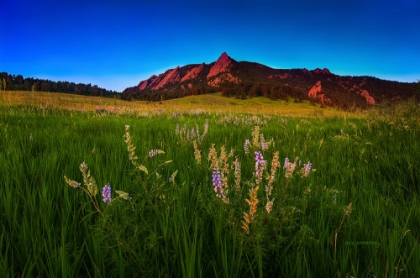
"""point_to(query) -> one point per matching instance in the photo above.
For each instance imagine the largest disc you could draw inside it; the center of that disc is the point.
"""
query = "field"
(312, 193)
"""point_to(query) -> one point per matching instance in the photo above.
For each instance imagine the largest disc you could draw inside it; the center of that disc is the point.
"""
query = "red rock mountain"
(222, 65)
(248, 79)
(193, 73)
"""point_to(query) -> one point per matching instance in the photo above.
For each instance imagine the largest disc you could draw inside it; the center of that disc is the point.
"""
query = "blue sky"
(116, 44)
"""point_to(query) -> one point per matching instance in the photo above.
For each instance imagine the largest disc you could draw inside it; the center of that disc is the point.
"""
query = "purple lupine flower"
(106, 193)
(259, 167)
(246, 146)
(264, 146)
(307, 169)
(259, 161)
(286, 163)
(217, 183)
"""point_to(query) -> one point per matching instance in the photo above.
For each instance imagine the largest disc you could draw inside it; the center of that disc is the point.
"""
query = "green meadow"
(312, 193)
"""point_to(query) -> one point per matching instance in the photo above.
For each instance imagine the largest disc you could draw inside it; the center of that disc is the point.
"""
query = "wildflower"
(88, 180)
(224, 161)
(264, 144)
(270, 178)
(106, 193)
(130, 147)
(212, 157)
(260, 164)
(217, 183)
(255, 136)
(237, 166)
(286, 163)
(172, 177)
(72, 183)
(274, 166)
(252, 202)
(269, 205)
(197, 152)
(152, 153)
(220, 168)
(306, 169)
(246, 146)
(290, 168)
(259, 160)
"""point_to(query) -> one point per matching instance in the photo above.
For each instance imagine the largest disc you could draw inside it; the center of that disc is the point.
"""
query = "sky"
(115, 44)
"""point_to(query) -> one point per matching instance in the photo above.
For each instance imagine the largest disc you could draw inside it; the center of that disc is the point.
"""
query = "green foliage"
(3, 84)
(19, 83)
(179, 227)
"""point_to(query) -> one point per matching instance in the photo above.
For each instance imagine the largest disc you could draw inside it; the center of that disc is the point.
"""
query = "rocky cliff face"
(221, 78)
(193, 73)
(368, 97)
(316, 89)
(222, 65)
(171, 77)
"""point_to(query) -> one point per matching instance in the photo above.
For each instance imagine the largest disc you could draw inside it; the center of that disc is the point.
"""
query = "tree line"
(9, 82)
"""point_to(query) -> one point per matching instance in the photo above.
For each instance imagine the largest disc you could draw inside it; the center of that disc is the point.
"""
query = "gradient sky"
(116, 44)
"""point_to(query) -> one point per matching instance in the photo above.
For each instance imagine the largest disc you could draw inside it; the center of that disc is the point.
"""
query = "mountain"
(248, 79)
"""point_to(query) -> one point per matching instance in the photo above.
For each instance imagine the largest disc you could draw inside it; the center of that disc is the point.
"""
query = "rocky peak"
(171, 77)
(323, 71)
(326, 71)
(222, 65)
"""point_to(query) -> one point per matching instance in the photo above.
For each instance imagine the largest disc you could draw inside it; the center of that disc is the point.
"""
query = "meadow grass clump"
(222, 176)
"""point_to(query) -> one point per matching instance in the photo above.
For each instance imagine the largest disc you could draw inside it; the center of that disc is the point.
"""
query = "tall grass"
(357, 215)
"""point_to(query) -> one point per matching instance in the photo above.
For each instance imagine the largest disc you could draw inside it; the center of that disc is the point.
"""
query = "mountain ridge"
(248, 79)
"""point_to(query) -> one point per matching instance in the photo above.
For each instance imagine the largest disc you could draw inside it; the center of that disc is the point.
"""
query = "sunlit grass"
(191, 104)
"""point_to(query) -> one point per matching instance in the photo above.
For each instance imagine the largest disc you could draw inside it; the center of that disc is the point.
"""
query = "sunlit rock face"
(222, 65)
(368, 97)
(171, 77)
(316, 89)
(193, 73)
